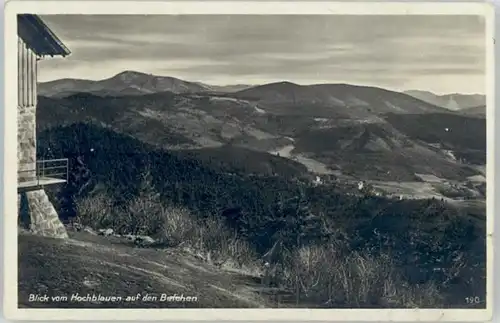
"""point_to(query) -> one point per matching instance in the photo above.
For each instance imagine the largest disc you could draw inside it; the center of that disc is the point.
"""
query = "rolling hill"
(479, 111)
(164, 119)
(238, 159)
(371, 132)
(396, 145)
(453, 101)
(351, 100)
(225, 88)
(380, 152)
(462, 136)
(124, 83)
(355, 101)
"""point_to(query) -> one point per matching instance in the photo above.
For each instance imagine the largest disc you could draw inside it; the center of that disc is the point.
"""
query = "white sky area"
(441, 54)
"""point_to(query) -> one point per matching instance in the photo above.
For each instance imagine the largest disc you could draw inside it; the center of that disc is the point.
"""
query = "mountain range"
(137, 83)
(125, 83)
(454, 101)
(129, 83)
(364, 132)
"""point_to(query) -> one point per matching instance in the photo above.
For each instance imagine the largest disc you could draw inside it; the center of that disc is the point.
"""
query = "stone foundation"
(26, 142)
(36, 209)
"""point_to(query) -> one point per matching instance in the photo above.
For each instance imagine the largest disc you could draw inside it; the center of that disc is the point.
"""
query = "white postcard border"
(225, 7)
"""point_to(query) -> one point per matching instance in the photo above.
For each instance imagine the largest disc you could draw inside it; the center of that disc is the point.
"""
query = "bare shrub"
(223, 247)
(170, 226)
(140, 216)
(179, 225)
(95, 211)
(318, 275)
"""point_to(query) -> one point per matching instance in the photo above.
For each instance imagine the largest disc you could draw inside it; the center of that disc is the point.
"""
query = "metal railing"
(46, 169)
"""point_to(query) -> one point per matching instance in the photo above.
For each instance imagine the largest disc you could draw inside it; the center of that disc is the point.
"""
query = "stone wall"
(35, 211)
(42, 217)
(26, 142)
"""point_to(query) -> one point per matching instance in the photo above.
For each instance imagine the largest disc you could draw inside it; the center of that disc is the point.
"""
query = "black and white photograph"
(251, 161)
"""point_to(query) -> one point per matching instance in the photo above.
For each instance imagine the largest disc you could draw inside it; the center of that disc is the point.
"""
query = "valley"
(357, 133)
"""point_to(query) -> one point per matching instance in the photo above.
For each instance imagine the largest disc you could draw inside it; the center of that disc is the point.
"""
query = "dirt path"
(90, 265)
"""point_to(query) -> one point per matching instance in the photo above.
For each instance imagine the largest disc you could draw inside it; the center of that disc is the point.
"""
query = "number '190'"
(473, 300)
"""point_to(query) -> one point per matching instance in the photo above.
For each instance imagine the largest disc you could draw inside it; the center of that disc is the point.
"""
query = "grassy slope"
(478, 112)
(378, 151)
(169, 120)
(466, 136)
(97, 265)
(119, 114)
(341, 96)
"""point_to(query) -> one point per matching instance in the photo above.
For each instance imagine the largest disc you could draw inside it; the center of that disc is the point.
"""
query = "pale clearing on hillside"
(393, 107)
(430, 178)
(312, 165)
(353, 101)
(259, 110)
(477, 179)
(221, 98)
(409, 190)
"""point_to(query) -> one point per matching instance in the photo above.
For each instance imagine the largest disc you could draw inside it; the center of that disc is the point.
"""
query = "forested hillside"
(262, 209)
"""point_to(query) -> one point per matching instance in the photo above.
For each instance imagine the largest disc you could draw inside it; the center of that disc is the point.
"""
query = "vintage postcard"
(248, 161)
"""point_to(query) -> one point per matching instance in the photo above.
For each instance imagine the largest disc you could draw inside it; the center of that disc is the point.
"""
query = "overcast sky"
(443, 54)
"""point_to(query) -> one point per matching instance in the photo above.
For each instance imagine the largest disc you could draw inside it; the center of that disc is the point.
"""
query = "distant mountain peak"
(129, 75)
(283, 85)
(286, 83)
(451, 101)
(131, 72)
